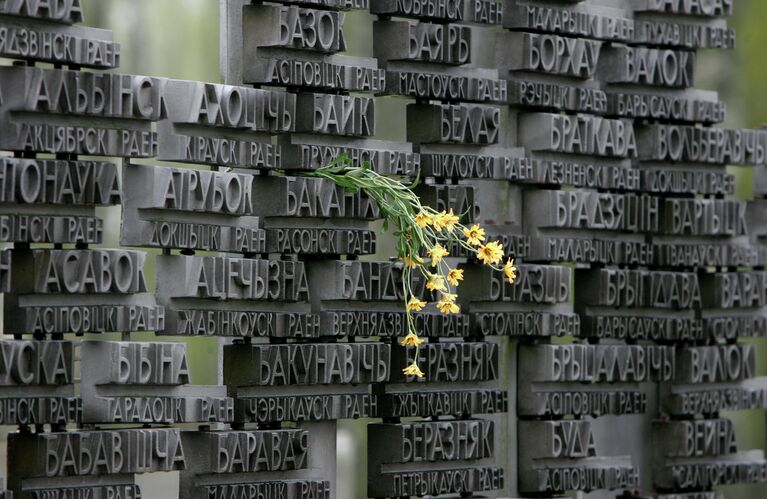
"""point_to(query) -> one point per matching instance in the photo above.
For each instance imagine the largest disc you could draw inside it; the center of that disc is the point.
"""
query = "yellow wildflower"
(455, 276)
(450, 220)
(411, 340)
(445, 220)
(447, 305)
(474, 235)
(437, 253)
(491, 253)
(413, 370)
(412, 262)
(423, 219)
(510, 270)
(415, 305)
(438, 220)
(435, 283)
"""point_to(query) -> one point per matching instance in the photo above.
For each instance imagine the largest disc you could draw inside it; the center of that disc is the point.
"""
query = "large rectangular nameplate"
(131, 382)
(361, 298)
(590, 247)
(413, 41)
(253, 406)
(733, 290)
(449, 362)
(715, 364)
(544, 284)
(458, 85)
(663, 180)
(597, 363)
(488, 321)
(64, 12)
(75, 112)
(317, 240)
(676, 253)
(80, 291)
(592, 21)
(415, 442)
(292, 27)
(329, 114)
(557, 456)
(122, 487)
(718, 146)
(75, 46)
(704, 217)
(544, 95)
(309, 152)
(64, 92)
(234, 297)
(37, 383)
(545, 390)
(190, 209)
(640, 289)
(232, 278)
(640, 304)
(310, 198)
(357, 280)
(276, 463)
(461, 11)
(693, 438)
(691, 105)
(649, 66)
(462, 123)
(397, 403)
(247, 451)
(681, 399)
(551, 54)
(328, 72)
(306, 364)
(124, 451)
(53, 201)
(715, 8)
(702, 453)
(592, 210)
(97, 271)
(388, 320)
(745, 467)
(58, 182)
(278, 487)
(578, 134)
(432, 458)
(212, 124)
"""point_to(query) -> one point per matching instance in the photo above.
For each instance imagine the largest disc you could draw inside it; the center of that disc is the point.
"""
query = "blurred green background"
(179, 39)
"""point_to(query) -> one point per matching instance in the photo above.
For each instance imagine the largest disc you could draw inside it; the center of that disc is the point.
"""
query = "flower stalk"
(420, 231)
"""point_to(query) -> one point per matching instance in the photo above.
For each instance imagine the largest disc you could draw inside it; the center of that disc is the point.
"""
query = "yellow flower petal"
(437, 253)
(423, 219)
(455, 276)
(413, 370)
(412, 262)
(435, 283)
(510, 270)
(474, 235)
(450, 220)
(411, 340)
(491, 253)
(438, 220)
(415, 305)
(447, 304)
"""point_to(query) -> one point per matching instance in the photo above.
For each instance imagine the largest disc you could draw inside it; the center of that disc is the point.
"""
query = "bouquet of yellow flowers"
(420, 230)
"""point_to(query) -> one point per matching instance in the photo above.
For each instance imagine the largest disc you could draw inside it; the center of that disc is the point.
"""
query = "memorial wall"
(571, 131)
